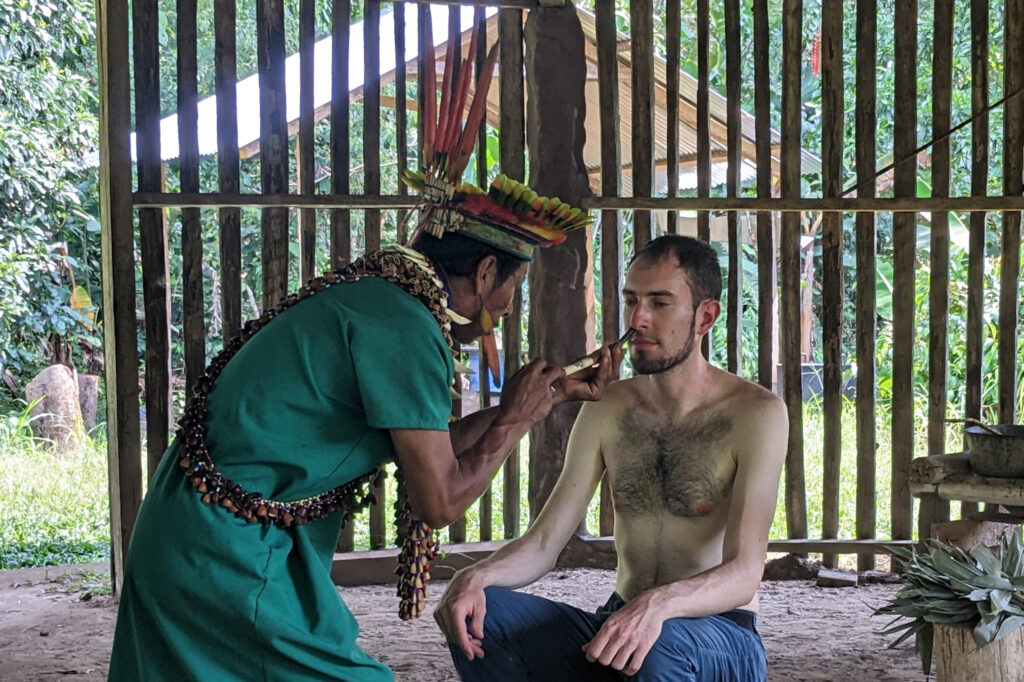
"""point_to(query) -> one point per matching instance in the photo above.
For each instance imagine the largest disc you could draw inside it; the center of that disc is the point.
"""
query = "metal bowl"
(997, 456)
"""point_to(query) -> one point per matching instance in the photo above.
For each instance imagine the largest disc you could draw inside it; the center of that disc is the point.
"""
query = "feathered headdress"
(509, 215)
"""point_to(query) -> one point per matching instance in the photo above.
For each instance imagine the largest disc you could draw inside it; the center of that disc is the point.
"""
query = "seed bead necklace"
(407, 269)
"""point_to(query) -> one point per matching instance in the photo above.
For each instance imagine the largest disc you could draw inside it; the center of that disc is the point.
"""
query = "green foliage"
(55, 508)
(946, 585)
(47, 125)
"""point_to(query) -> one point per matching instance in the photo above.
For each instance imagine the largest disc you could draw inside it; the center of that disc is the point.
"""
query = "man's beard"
(659, 365)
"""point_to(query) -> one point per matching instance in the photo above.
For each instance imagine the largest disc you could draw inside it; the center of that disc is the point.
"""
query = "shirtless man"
(694, 456)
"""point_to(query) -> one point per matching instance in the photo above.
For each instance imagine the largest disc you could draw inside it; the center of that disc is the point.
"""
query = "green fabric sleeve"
(404, 369)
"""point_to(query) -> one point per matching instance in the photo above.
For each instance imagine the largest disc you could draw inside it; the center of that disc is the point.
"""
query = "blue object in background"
(474, 363)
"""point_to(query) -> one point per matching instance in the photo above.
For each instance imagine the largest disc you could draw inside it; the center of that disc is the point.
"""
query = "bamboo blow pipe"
(589, 360)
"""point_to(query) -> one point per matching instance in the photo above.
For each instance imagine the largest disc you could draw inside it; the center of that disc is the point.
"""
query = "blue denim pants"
(532, 638)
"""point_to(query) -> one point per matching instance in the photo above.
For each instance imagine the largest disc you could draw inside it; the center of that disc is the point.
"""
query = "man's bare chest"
(684, 468)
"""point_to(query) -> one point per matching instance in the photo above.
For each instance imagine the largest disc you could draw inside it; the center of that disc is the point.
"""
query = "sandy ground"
(54, 627)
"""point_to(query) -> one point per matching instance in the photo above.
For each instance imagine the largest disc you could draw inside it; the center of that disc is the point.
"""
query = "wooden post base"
(957, 658)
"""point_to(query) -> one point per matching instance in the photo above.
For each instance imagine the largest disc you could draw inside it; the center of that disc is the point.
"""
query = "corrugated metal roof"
(247, 94)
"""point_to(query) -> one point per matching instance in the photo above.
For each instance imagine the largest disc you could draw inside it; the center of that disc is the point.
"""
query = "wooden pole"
(511, 143)
(734, 317)
(766, 270)
(304, 143)
(124, 444)
(341, 219)
(227, 168)
(672, 39)
(641, 22)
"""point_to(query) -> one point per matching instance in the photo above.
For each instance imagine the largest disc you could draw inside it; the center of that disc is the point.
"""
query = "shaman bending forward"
(693, 455)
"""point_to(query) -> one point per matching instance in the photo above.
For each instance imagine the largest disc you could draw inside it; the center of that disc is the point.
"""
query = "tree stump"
(957, 658)
(58, 416)
(88, 395)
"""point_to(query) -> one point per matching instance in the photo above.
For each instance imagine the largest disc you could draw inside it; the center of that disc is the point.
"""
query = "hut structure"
(565, 78)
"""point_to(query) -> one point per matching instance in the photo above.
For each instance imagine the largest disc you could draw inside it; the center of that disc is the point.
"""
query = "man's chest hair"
(682, 467)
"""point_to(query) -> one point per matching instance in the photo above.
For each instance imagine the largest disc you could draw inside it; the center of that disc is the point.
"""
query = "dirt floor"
(54, 624)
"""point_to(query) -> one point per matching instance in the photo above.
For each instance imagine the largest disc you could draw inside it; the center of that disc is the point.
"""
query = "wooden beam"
(1005, 491)
(270, 56)
(931, 509)
(193, 305)
(792, 66)
(832, 267)
(305, 154)
(341, 219)
(611, 184)
(1013, 168)
(511, 146)
(156, 294)
(641, 23)
(674, 29)
(766, 269)
(400, 103)
(734, 316)
(904, 270)
(230, 245)
(703, 127)
(124, 444)
(371, 135)
(866, 322)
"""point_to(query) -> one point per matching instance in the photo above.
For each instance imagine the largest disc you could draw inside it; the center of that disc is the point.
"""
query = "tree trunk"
(957, 658)
(561, 283)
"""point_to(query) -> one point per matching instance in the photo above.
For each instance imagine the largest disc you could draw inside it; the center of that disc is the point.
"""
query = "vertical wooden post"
(933, 509)
(304, 144)
(641, 23)
(194, 325)
(832, 264)
(1013, 167)
(556, 74)
(611, 227)
(227, 168)
(766, 272)
(401, 117)
(341, 218)
(511, 143)
(904, 243)
(979, 187)
(703, 120)
(796, 501)
(156, 294)
(118, 260)
(480, 24)
(734, 123)
(273, 146)
(672, 47)
(371, 123)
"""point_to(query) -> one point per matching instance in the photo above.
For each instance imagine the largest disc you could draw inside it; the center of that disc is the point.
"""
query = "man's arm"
(529, 557)
(626, 638)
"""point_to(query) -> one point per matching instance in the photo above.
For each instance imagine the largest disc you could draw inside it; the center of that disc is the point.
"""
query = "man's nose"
(640, 319)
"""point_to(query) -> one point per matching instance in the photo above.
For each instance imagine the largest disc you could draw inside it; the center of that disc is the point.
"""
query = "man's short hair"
(458, 255)
(695, 257)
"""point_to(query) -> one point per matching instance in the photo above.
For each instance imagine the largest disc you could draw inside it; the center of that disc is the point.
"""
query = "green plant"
(949, 586)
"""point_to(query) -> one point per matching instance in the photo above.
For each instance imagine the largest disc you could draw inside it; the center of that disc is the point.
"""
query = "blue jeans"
(532, 638)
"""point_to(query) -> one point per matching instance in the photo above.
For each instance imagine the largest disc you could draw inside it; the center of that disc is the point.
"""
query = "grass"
(55, 508)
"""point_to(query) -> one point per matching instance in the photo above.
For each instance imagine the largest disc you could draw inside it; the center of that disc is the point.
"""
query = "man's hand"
(463, 599)
(528, 395)
(626, 638)
(589, 384)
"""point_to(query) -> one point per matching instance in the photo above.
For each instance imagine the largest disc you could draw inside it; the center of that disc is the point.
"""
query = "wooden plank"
(193, 305)
(511, 143)
(371, 123)
(791, 204)
(124, 443)
(904, 243)
(674, 29)
(795, 492)
(734, 317)
(934, 468)
(994, 491)
(979, 187)
(1013, 167)
(457, 530)
(766, 271)
(931, 509)
(641, 23)
(270, 55)
(401, 118)
(304, 143)
(832, 266)
(611, 183)
(487, 499)
(230, 245)
(156, 295)
(341, 218)
(703, 123)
